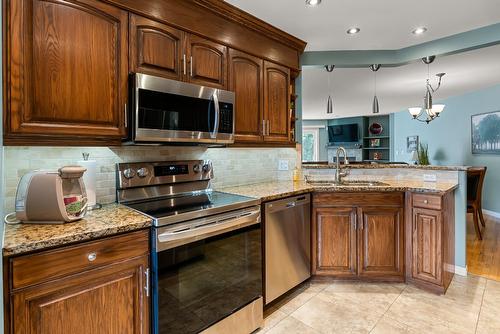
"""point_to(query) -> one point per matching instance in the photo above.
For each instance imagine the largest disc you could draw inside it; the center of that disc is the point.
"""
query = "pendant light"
(329, 102)
(375, 106)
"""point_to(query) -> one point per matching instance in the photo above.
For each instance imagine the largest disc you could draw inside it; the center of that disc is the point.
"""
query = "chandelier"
(429, 110)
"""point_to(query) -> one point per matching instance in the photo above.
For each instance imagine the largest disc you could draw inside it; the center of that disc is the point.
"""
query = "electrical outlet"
(283, 165)
(430, 178)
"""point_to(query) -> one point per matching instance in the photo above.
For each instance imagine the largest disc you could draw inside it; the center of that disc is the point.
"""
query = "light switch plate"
(430, 178)
(283, 165)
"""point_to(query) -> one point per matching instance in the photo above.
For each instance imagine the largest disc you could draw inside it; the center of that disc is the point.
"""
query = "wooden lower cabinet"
(380, 242)
(426, 247)
(431, 240)
(108, 297)
(364, 240)
(334, 242)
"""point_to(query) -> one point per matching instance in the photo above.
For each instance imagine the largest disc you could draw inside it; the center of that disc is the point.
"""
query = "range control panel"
(140, 174)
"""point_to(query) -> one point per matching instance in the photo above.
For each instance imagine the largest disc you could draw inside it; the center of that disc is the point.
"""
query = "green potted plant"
(423, 154)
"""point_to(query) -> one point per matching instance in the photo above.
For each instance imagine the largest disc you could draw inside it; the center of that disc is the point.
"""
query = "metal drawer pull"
(426, 201)
(92, 256)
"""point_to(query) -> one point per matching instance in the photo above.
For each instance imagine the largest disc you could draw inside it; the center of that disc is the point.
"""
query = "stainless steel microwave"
(169, 111)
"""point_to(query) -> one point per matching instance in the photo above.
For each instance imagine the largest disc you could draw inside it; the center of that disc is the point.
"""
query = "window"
(310, 144)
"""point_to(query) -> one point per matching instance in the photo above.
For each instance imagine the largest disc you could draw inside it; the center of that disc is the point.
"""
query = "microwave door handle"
(217, 116)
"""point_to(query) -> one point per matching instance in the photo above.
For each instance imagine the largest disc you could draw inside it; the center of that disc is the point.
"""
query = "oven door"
(173, 111)
(205, 270)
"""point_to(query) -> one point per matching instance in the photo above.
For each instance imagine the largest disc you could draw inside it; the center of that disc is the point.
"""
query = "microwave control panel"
(226, 118)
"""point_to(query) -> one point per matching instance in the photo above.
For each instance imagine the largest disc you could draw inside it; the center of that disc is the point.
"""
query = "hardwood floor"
(483, 256)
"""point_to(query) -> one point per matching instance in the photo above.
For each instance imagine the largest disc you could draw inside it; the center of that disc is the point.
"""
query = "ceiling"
(384, 24)
(397, 87)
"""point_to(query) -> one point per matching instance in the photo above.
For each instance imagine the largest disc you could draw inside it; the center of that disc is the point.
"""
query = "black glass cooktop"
(167, 211)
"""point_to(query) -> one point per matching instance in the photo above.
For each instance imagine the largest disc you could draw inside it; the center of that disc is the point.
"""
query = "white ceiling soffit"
(397, 87)
(384, 24)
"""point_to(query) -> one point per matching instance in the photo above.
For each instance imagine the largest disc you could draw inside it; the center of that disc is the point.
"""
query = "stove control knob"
(207, 168)
(197, 168)
(142, 172)
(129, 173)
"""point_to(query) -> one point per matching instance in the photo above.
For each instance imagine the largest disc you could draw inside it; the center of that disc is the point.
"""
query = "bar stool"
(475, 180)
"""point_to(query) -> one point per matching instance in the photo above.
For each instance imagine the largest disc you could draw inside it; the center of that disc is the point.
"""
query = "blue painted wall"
(449, 138)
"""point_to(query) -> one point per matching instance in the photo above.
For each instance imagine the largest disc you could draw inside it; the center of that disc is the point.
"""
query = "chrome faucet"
(338, 174)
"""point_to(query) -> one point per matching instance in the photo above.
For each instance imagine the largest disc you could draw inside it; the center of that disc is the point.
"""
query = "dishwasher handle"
(287, 203)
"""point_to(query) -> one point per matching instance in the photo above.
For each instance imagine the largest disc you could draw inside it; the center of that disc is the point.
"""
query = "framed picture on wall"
(485, 133)
(411, 144)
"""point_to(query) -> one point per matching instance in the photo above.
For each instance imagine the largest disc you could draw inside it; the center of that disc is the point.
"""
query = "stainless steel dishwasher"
(287, 233)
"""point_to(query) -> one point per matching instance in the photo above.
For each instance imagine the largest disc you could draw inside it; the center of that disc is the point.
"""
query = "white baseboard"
(490, 213)
(461, 271)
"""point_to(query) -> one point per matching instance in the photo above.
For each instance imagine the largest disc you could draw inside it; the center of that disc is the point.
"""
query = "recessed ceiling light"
(352, 31)
(419, 30)
(313, 3)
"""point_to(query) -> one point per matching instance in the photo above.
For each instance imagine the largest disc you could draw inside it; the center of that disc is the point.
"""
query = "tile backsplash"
(232, 166)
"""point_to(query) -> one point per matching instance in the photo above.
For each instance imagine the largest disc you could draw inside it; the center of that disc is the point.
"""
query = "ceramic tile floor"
(471, 305)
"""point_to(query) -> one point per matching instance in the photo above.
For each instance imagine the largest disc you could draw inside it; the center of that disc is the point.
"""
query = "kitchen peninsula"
(399, 229)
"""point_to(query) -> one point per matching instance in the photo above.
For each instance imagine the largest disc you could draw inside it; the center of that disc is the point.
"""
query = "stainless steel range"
(206, 248)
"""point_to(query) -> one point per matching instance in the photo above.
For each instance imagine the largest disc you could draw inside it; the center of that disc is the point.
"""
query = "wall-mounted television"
(345, 133)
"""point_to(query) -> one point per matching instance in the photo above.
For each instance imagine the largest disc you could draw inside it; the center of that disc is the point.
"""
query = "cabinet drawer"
(48, 265)
(345, 199)
(427, 201)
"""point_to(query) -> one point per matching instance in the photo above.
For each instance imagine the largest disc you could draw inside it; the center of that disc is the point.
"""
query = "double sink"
(346, 183)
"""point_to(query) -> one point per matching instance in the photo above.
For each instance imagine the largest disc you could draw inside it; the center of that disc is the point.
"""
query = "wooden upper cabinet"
(207, 62)
(156, 48)
(67, 67)
(380, 242)
(427, 245)
(334, 243)
(276, 102)
(245, 80)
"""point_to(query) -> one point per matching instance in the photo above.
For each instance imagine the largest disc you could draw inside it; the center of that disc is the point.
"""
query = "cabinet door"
(156, 48)
(380, 242)
(110, 300)
(67, 71)
(427, 234)
(207, 62)
(276, 102)
(334, 242)
(245, 79)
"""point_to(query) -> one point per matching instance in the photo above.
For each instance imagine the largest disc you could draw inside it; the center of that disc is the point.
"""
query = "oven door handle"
(209, 228)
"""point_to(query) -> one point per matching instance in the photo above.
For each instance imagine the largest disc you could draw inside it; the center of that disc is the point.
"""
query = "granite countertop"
(274, 190)
(379, 166)
(111, 219)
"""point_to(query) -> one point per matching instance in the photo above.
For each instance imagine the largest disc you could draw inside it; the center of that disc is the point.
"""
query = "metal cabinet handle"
(184, 63)
(191, 66)
(263, 127)
(92, 256)
(126, 116)
(426, 201)
(146, 285)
